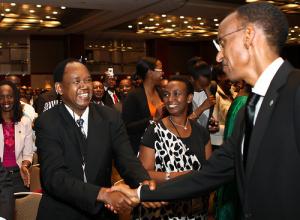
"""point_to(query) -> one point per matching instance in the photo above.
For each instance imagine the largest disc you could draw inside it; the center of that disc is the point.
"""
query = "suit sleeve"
(7, 202)
(56, 178)
(129, 113)
(297, 117)
(126, 162)
(218, 170)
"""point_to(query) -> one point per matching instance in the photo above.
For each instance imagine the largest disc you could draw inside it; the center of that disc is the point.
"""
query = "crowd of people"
(211, 141)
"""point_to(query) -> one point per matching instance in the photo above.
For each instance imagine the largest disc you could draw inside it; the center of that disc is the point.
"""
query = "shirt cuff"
(138, 192)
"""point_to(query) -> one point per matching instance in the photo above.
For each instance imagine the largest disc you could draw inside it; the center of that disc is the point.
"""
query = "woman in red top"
(16, 143)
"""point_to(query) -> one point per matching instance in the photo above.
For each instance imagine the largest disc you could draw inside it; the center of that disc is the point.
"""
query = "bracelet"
(168, 176)
(119, 181)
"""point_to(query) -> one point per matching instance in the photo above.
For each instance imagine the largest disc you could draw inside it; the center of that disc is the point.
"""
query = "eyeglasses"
(219, 41)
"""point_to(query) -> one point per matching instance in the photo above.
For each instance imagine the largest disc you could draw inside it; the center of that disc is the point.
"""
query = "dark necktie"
(80, 122)
(249, 118)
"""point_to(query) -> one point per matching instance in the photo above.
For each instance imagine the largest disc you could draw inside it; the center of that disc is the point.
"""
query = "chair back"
(26, 208)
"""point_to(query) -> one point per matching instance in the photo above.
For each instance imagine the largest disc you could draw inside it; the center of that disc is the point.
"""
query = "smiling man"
(263, 153)
(77, 141)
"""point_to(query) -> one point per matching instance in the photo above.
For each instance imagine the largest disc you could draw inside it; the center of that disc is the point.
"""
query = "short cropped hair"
(270, 18)
(197, 67)
(59, 70)
(185, 80)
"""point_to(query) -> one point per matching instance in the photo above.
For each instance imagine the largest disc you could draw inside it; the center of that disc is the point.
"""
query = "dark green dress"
(227, 198)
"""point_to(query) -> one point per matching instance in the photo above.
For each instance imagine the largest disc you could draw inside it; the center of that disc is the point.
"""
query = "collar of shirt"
(84, 116)
(262, 84)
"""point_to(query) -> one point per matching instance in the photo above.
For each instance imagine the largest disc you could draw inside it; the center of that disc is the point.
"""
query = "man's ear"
(249, 35)
(58, 88)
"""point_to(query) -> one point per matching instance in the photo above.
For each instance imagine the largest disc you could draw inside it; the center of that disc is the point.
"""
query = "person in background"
(110, 96)
(143, 103)
(174, 146)
(16, 149)
(227, 201)
(98, 92)
(224, 99)
(125, 87)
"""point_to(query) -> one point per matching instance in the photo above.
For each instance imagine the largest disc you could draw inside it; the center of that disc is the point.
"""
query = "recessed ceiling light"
(217, 25)
(13, 4)
(296, 27)
(292, 31)
(55, 12)
(201, 23)
(163, 15)
(38, 6)
(90, 46)
(169, 21)
(181, 17)
(31, 11)
(173, 25)
(48, 17)
(151, 19)
(199, 18)
(63, 7)
(216, 19)
(129, 26)
(7, 9)
(157, 24)
(2, 14)
(185, 22)
(41, 21)
(140, 22)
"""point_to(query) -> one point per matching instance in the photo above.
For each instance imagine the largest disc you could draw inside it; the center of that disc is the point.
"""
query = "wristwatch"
(168, 176)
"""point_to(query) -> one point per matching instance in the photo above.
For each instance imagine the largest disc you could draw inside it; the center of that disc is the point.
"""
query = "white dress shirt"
(84, 116)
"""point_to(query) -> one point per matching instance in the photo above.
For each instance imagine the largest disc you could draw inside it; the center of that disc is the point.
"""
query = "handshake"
(122, 199)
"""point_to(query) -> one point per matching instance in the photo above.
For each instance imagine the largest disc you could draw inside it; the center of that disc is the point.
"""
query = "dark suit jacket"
(107, 99)
(136, 116)
(269, 188)
(7, 202)
(58, 142)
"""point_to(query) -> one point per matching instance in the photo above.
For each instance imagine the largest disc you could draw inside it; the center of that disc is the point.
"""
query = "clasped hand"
(122, 198)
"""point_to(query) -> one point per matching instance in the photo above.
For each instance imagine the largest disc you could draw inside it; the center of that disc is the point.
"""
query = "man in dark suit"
(77, 141)
(266, 163)
(7, 202)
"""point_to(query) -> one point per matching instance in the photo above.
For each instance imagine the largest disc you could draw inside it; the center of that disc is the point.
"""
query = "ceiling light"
(103, 46)
(140, 22)
(41, 21)
(199, 18)
(296, 27)
(217, 25)
(2, 14)
(163, 15)
(201, 23)
(157, 24)
(55, 12)
(215, 19)
(51, 24)
(31, 11)
(169, 21)
(63, 7)
(181, 17)
(9, 20)
(292, 31)
(48, 17)
(129, 26)
(7, 9)
(151, 19)
(189, 26)
(185, 22)
(173, 25)
(38, 6)
(13, 4)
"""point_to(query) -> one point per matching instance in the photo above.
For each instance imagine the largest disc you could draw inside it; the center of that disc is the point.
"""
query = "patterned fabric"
(80, 122)
(172, 155)
(9, 157)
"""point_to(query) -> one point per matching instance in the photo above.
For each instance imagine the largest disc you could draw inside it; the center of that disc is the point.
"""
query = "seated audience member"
(7, 202)
(110, 96)
(77, 141)
(200, 72)
(46, 101)
(143, 103)
(224, 99)
(125, 87)
(98, 92)
(174, 146)
(16, 149)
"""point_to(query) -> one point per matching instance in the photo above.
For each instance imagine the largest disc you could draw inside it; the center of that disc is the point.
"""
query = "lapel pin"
(271, 102)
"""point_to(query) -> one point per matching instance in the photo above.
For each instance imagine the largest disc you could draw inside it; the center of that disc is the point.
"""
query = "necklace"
(182, 126)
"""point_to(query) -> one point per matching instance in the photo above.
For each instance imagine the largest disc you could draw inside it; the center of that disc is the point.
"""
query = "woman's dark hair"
(144, 64)
(17, 107)
(185, 80)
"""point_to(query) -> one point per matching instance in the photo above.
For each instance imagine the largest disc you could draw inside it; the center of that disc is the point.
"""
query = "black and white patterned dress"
(174, 154)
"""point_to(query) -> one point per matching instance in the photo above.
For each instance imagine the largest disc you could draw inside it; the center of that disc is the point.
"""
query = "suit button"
(248, 215)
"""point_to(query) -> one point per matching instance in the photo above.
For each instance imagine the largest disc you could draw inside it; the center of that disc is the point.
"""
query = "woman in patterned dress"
(175, 146)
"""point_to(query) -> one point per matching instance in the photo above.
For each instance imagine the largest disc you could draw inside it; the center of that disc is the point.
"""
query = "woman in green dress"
(227, 201)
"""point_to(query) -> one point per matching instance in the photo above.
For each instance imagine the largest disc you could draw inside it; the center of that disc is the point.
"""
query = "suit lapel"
(264, 114)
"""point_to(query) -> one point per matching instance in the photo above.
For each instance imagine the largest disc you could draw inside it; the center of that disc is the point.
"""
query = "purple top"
(9, 156)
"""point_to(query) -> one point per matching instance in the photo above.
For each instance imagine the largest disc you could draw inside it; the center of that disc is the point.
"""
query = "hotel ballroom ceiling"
(122, 19)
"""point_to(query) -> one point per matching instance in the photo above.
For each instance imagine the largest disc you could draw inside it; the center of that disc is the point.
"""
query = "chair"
(35, 181)
(26, 207)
